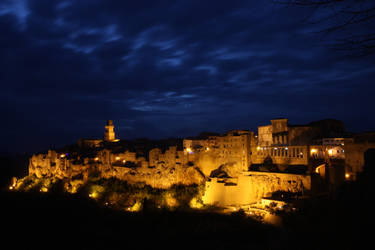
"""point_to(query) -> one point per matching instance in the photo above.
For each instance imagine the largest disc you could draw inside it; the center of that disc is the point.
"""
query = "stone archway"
(369, 157)
(358, 157)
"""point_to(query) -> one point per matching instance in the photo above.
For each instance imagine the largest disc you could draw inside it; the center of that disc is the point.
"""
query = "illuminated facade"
(232, 147)
(283, 144)
(109, 134)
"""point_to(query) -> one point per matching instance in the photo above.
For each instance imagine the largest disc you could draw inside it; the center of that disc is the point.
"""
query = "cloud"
(166, 68)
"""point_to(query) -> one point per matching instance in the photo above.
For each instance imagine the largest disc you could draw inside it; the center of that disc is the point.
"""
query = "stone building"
(153, 156)
(232, 148)
(283, 143)
(235, 146)
(334, 147)
(109, 134)
(280, 133)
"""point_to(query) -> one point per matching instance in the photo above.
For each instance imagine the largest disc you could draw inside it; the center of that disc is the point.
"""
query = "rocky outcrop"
(158, 177)
(124, 166)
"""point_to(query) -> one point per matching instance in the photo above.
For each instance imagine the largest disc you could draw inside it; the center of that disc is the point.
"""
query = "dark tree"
(346, 25)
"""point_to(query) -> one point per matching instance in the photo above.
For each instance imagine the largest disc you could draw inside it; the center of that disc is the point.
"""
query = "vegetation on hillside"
(116, 193)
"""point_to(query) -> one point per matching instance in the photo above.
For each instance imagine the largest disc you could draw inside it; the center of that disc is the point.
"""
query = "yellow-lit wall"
(265, 135)
(252, 187)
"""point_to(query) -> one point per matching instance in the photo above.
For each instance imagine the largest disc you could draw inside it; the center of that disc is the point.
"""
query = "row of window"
(280, 139)
(282, 152)
(233, 145)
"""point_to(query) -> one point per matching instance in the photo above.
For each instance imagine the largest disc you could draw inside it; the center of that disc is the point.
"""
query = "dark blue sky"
(168, 68)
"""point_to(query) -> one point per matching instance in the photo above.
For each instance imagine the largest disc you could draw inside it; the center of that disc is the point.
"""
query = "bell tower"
(109, 134)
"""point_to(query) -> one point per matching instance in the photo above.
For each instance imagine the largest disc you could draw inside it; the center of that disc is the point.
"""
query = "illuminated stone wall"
(170, 168)
(251, 187)
(281, 133)
(283, 155)
(265, 135)
(231, 150)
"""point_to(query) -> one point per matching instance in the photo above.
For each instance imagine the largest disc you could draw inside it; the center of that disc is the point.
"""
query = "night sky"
(168, 69)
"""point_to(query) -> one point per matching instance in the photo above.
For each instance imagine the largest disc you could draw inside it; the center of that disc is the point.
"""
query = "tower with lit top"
(109, 134)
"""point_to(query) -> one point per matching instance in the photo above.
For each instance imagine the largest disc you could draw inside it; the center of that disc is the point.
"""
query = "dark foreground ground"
(40, 221)
(34, 221)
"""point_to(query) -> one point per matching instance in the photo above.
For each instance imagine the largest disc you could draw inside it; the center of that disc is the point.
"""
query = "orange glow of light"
(314, 151)
(330, 152)
(317, 169)
(207, 148)
(62, 155)
(96, 158)
(93, 195)
(347, 175)
(258, 148)
(117, 158)
(189, 150)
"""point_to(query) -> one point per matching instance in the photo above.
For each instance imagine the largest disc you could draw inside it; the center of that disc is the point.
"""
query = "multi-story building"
(332, 147)
(232, 147)
(283, 143)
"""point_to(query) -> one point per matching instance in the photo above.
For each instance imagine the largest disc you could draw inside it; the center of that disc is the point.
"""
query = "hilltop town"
(235, 169)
